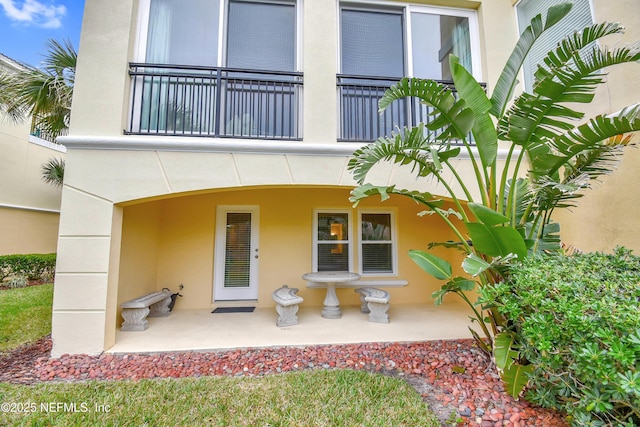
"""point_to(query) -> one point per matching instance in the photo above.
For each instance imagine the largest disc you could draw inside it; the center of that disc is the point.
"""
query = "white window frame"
(393, 242)
(349, 241)
(407, 9)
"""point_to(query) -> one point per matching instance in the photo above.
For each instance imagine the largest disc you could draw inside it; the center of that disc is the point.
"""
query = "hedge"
(31, 266)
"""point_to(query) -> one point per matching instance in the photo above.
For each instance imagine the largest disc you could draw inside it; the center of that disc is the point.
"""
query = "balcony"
(358, 109)
(214, 102)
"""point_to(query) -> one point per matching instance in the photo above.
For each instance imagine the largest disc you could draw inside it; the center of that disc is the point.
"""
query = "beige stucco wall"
(139, 212)
(29, 207)
(607, 216)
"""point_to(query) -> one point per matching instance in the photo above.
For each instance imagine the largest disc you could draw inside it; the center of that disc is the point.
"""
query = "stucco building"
(209, 142)
(29, 207)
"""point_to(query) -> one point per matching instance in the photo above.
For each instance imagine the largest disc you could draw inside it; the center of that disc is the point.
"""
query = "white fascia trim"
(29, 208)
(217, 145)
(44, 143)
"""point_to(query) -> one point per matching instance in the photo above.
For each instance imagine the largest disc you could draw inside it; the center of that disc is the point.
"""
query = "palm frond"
(409, 146)
(586, 137)
(542, 116)
(569, 46)
(452, 119)
(53, 172)
(508, 78)
(368, 190)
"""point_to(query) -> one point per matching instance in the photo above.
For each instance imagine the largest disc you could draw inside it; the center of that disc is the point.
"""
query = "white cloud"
(33, 12)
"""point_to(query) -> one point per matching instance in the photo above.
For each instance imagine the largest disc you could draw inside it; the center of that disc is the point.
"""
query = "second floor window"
(379, 45)
(218, 68)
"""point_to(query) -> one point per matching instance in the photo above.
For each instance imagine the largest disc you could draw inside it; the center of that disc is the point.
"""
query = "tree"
(542, 129)
(44, 94)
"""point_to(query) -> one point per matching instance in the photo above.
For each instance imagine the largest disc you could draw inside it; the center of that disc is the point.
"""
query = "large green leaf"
(475, 97)
(504, 352)
(508, 78)
(515, 378)
(497, 241)
(474, 265)
(368, 190)
(451, 117)
(486, 215)
(437, 267)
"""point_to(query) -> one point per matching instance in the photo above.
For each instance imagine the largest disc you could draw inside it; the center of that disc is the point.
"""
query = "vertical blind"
(262, 36)
(578, 18)
(237, 259)
(372, 43)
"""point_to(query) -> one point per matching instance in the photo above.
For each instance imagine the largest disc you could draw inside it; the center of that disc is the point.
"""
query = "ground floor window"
(372, 249)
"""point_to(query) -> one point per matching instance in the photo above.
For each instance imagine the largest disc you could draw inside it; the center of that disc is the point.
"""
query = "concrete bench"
(135, 312)
(286, 305)
(375, 302)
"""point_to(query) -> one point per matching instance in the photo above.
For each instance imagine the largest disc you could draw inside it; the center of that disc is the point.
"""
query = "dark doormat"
(234, 310)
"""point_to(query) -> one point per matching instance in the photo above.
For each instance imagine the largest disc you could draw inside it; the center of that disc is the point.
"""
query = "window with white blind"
(259, 35)
(380, 43)
(578, 18)
(377, 234)
(334, 242)
(218, 68)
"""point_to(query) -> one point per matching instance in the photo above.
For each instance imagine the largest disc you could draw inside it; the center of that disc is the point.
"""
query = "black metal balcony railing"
(214, 101)
(46, 134)
(358, 98)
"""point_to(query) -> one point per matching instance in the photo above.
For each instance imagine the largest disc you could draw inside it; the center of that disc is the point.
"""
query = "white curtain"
(159, 36)
(461, 43)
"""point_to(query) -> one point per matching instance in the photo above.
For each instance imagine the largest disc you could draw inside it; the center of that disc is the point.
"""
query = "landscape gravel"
(453, 377)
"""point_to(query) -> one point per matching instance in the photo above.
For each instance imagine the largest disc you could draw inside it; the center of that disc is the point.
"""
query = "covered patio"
(199, 329)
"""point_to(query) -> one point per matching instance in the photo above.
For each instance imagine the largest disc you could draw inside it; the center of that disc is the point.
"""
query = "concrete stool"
(286, 305)
(375, 302)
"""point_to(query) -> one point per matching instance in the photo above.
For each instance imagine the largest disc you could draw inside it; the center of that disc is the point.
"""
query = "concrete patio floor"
(202, 330)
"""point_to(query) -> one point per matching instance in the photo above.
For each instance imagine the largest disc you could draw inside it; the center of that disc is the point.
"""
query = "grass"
(310, 398)
(25, 315)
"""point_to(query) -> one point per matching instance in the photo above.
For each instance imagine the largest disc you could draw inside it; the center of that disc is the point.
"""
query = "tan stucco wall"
(171, 242)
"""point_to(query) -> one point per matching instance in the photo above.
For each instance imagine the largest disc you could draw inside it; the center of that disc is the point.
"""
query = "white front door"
(236, 253)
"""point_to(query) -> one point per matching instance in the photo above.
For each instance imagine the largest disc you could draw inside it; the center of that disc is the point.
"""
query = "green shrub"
(17, 282)
(577, 321)
(32, 266)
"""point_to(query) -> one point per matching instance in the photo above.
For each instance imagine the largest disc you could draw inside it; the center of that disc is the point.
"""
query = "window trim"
(393, 242)
(354, 239)
(406, 9)
(350, 235)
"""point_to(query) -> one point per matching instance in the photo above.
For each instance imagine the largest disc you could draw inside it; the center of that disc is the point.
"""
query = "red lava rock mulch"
(452, 376)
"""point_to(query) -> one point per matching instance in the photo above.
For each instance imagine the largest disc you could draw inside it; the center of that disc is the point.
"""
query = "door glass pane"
(434, 37)
(183, 33)
(261, 36)
(238, 250)
(372, 43)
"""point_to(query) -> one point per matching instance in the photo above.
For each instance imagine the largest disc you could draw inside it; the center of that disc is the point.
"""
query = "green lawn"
(25, 315)
(310, 398)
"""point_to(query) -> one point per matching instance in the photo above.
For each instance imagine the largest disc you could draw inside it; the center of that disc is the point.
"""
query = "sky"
(26, 25)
